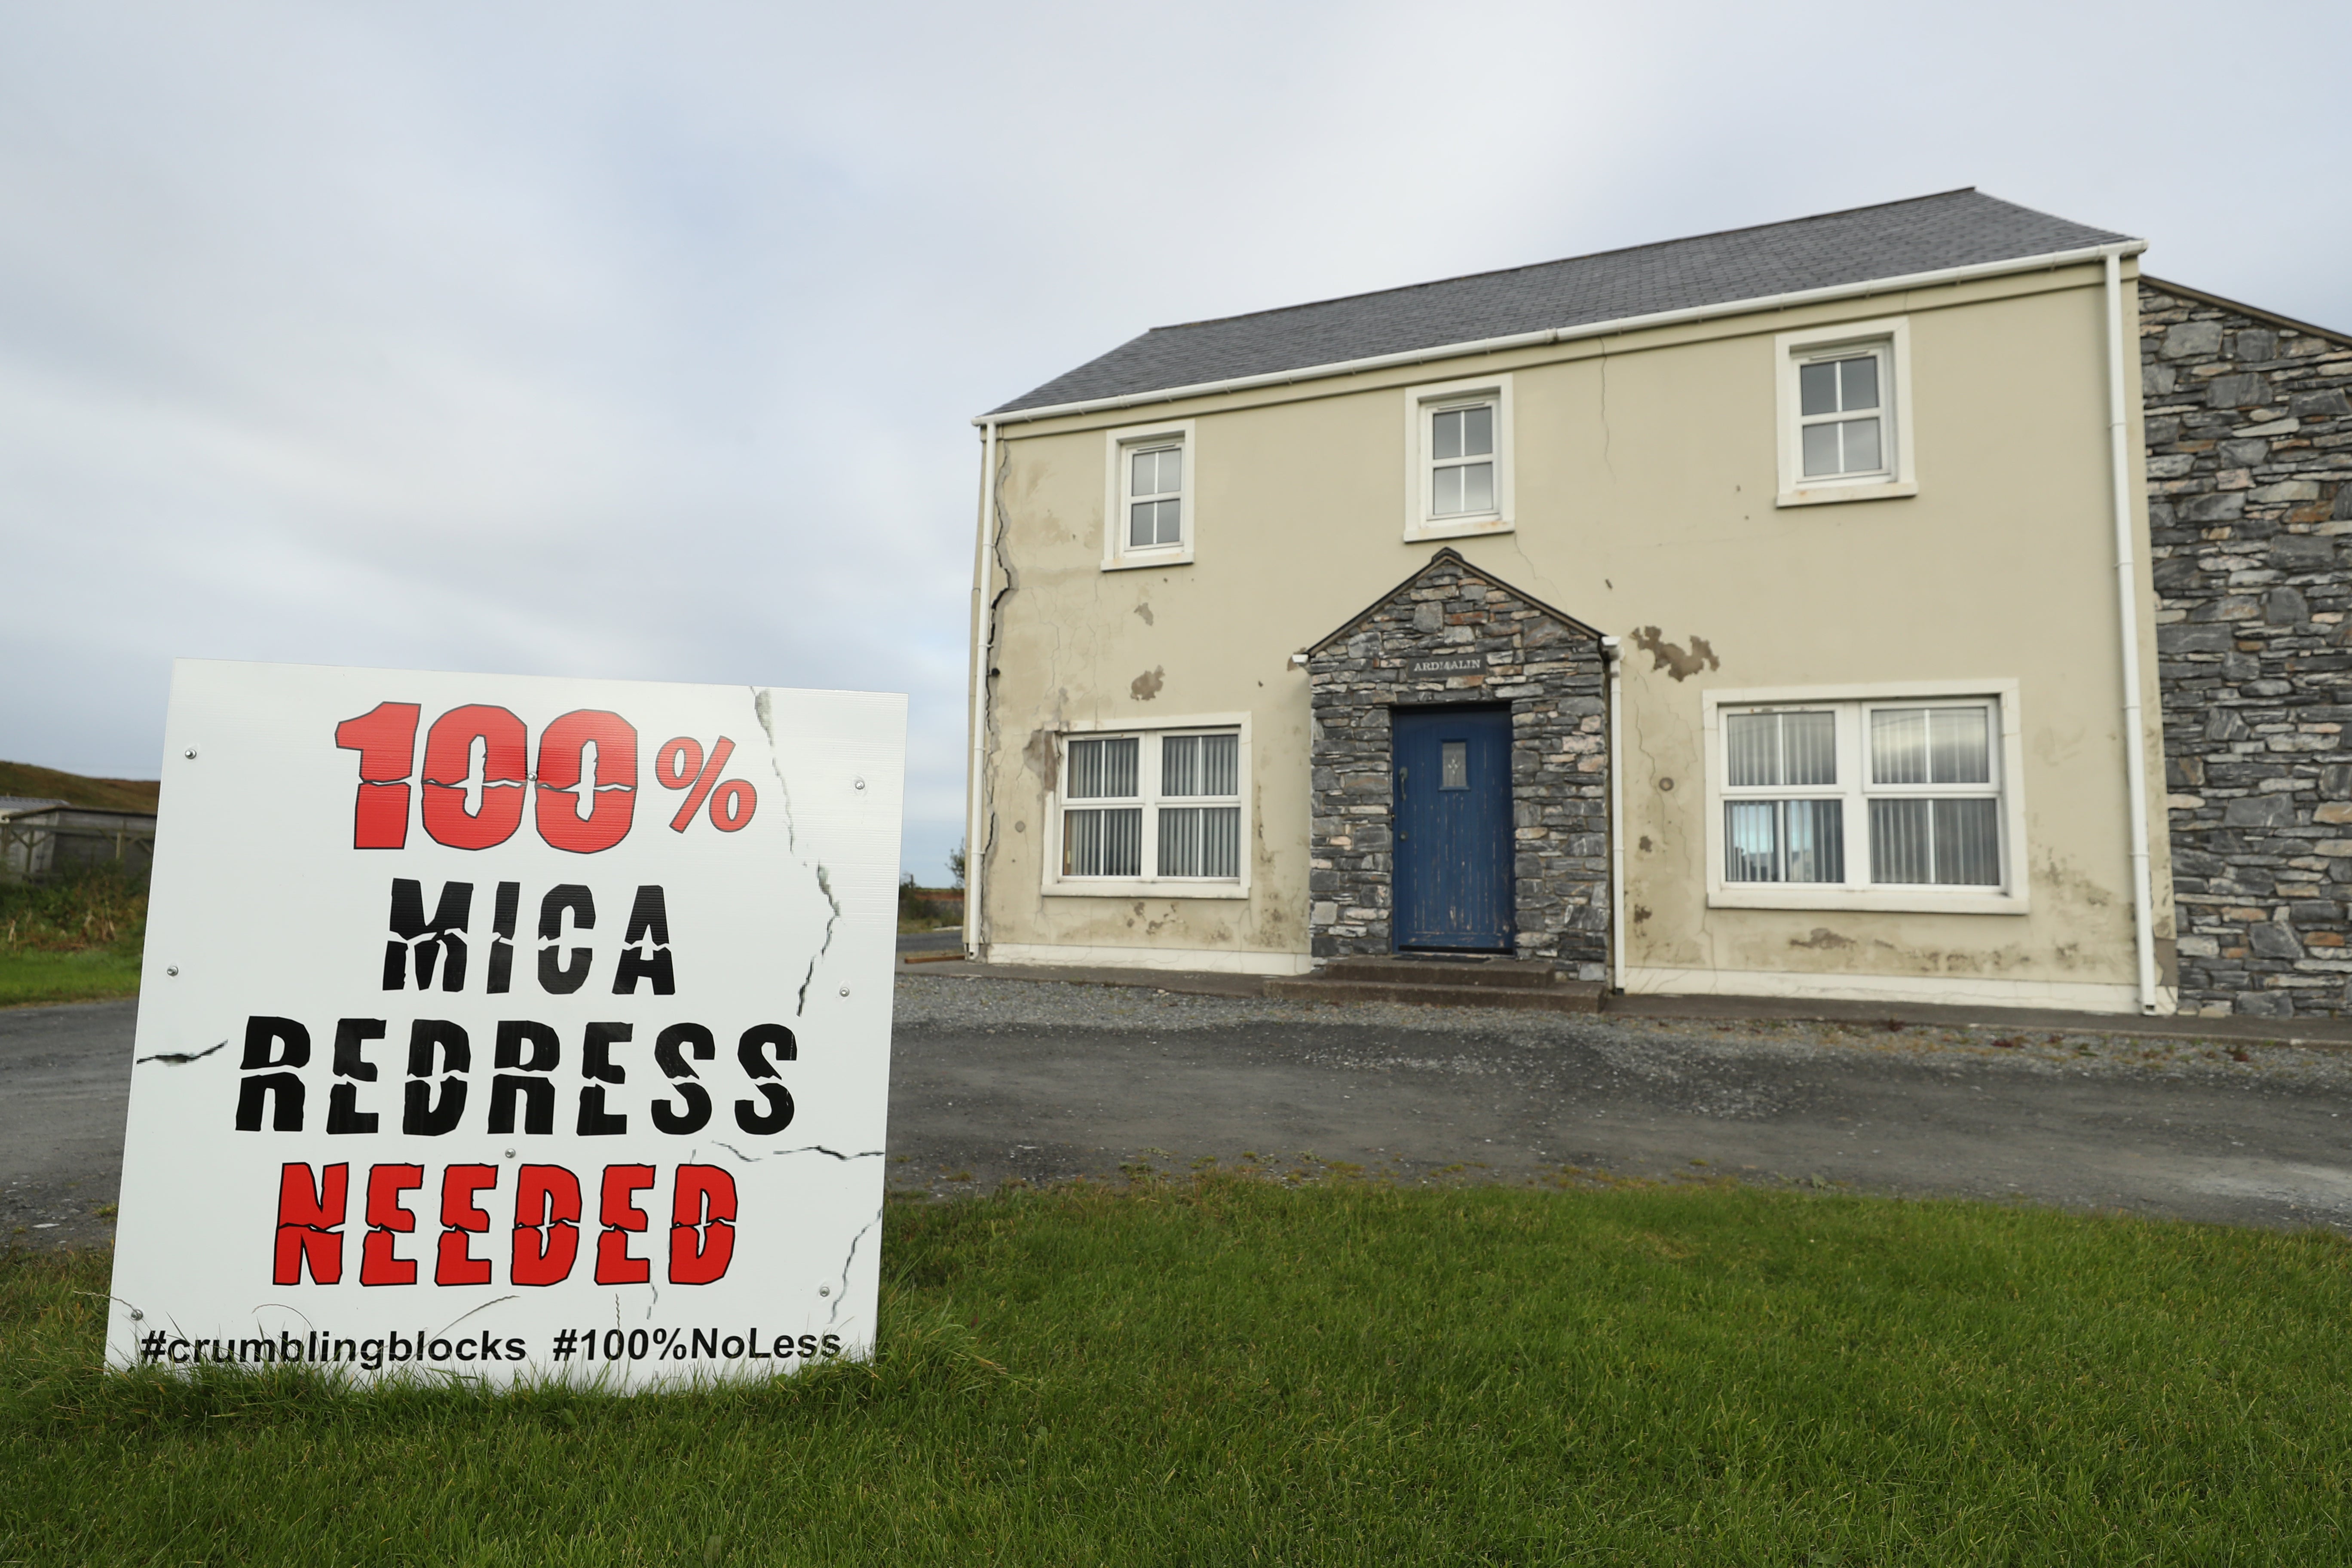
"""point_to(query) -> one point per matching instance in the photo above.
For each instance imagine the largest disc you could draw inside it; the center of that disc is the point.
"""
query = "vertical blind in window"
(1782, 839)
(1193, 802)
(1102, 841)
(1199, 840)
(1920, 837)
(1922, 778)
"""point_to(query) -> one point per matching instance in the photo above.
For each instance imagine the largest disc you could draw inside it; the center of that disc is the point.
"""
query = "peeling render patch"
(179, 1058)
(1146, 687)
(1145, 611)
(1673, 659)
(824, 886)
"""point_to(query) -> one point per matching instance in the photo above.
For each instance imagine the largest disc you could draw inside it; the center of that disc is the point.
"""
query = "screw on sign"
(679, 764)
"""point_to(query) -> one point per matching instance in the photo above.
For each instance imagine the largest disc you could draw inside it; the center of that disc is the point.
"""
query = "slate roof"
(1925, 234)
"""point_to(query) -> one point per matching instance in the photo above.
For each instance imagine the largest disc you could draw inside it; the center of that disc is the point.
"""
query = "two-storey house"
(1767, 613)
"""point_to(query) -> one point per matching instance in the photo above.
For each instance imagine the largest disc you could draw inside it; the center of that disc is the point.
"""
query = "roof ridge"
(1581, 256)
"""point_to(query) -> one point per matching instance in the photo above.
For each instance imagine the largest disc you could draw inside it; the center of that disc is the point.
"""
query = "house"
(1767, 613)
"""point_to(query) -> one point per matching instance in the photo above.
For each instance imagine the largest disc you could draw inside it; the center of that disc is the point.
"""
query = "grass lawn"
(90, 975)
(1233, 1371)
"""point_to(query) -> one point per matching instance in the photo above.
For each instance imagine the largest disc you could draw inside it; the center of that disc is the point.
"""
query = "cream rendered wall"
(1645, 482)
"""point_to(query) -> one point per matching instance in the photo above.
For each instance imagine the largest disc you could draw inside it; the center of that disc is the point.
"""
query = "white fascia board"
(1570, 334)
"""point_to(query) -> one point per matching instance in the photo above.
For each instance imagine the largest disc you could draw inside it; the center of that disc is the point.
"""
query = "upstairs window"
(1844, 399)
(1841, 414)
(1147, 503)
(1462, 460)
(1458, 459)
(1155, 495)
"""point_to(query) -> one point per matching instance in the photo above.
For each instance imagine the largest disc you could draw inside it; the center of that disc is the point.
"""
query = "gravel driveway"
(994, 1079)
(997, 1077)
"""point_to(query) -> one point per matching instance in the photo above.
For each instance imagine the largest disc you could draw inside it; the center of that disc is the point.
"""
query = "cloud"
(600, 340)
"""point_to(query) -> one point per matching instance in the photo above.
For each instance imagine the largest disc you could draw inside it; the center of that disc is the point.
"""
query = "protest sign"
(507, 1026)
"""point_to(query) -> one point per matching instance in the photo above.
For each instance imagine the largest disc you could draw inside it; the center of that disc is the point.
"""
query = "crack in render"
(842, 1296)
(989, 734)
(1608, 459)
(179, 1058)
(824, 886)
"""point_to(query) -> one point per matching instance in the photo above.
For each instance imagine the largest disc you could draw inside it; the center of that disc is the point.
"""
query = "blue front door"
(1452, 828)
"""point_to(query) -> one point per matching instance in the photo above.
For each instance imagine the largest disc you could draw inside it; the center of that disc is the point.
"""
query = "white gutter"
(1615, 654)
(2127, 607)
(983, 580)
(1570, 334)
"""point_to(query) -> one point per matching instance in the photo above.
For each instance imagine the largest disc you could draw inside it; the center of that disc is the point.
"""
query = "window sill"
(1823, 495)
(1139, 561)
(1457, 528)
(1870, 900)
(1117, 888)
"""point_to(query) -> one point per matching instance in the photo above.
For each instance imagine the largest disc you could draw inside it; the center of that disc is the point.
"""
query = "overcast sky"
(641, 342)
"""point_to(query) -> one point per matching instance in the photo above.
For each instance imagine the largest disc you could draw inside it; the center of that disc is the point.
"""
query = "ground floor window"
(1902, 793)
(1159, 807)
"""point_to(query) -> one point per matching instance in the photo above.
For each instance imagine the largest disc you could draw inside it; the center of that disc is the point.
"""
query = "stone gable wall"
(1555, 681)
(2250, 500)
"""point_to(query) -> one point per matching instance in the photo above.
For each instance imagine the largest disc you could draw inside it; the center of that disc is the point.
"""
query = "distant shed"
(40, 838)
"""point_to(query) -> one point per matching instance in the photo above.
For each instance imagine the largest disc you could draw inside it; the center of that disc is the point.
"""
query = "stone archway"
(1452, 634)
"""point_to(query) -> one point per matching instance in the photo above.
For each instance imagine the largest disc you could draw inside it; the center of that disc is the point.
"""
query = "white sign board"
(503, 1026)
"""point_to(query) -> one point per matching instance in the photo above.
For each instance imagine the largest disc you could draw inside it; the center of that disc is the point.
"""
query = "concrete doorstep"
(1363, 981)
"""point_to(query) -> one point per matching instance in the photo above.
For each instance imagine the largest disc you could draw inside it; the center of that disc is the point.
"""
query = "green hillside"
(98, 794)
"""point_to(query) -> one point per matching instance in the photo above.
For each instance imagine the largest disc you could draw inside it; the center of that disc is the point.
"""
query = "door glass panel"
(1454, 765)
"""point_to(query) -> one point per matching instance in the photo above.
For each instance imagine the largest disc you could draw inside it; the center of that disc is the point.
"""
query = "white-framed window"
(1845, 397)
(1148, 497)
(1158, 810)
(1880, 798)
(1458, 476)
